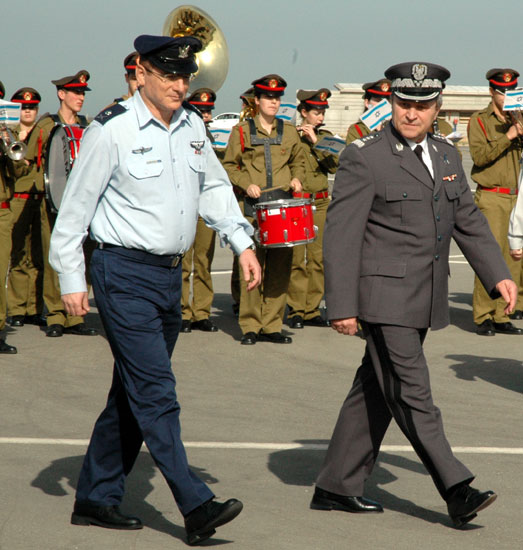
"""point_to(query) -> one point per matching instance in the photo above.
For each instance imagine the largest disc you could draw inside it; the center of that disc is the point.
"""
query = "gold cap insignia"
(385, 86)
(28, 96)
(82, 79)
(204, 96)
(323, 96)
(273, 83)
(507, 77)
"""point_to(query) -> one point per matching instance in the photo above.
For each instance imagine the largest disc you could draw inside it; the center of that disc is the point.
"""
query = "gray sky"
(311, 44)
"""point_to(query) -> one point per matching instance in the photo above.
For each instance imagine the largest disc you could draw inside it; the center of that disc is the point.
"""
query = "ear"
(61, 94)
(140, 72)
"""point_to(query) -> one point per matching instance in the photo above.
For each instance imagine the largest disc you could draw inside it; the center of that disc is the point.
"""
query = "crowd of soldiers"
(266, 159)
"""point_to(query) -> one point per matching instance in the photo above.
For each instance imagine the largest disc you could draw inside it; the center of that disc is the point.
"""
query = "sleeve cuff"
(72, 282)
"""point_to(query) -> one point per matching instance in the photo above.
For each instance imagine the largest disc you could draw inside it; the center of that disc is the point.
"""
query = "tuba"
(213, 59)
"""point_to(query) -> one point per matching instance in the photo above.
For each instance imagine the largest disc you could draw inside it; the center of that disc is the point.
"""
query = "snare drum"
(62, 149)
(285, 222)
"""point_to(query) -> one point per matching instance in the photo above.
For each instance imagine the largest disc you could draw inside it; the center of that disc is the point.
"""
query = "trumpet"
(14, 149)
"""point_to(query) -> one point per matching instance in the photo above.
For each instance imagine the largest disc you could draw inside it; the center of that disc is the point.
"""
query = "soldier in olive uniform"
(196, 312)
(129, 64)
(265, 159)
(71, 93)
(306, 283)
(6, 225)
(24, 293)
(373, 93)
(495, 147)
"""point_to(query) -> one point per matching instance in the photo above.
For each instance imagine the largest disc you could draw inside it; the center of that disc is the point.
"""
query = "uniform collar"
(145, 116)
(424, 144)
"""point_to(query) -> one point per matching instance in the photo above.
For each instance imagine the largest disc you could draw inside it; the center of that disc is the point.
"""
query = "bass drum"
(62, 149)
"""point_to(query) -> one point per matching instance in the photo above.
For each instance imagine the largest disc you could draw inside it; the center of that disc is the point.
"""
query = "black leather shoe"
(6, 348)
(81, 329)
(324, 500)
(205, 324)
(507, 328)
(54, 331)
(249, 339)
(17, 321)
(517, 315)
(104, 516)
(465, 502)
(486, 328)
(186, 325)
(276, 338)
(201, 523)
(317, 321)
(295, 322)
(35, 319)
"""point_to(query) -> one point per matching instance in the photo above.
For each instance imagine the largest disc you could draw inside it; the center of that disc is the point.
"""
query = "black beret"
(271, 85)
(317, 99)
(26, 96)
(75, 83)
(417, 81)
(203, 98)
(502, 79)
(172, 55)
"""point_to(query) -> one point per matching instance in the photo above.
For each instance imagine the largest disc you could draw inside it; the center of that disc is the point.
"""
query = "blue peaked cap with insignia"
(416, 80)
(171, 55)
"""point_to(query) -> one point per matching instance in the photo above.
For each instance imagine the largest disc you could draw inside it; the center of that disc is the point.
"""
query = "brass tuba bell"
(213, 59)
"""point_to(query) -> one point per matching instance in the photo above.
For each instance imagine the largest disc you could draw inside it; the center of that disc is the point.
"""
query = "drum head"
(57, 166)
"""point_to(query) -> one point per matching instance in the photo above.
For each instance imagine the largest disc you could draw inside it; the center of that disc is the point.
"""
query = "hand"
(251, 268)
(296, 185)
(76, 303)
(517, 253)
(310, 134)
(254, 191)
(509, 291)
(514, 131)
(345, 326)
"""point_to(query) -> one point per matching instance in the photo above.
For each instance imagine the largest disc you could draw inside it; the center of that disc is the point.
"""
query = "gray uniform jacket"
(388, 231)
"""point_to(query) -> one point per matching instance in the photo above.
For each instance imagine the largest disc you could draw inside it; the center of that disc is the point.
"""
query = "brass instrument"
(213, 59)
(249, 110)
(14, 149)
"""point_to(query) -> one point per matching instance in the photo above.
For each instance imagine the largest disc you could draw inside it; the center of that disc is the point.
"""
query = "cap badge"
(507, 77)
(385, 86)
(419, 72)
(28, 96)
(183, 51)
(323, 96)
(82, 79)
(273, 83)
(204, 96)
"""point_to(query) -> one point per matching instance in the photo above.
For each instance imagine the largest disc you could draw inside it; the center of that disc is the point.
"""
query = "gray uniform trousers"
(392, 382)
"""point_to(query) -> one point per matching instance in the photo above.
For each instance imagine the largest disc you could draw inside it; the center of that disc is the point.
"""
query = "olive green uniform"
(357, 131)
(263, 307)
(306, 283)
(496, 165)
(6, 225)
(24, 291)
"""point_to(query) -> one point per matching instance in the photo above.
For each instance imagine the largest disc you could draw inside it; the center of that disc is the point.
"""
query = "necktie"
(419, 152)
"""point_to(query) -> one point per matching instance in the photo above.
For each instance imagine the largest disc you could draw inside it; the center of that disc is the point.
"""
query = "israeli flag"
(377, 115)
(513, 100)
(9, 112)
(287, 112)
(331, 144)
(220, 137)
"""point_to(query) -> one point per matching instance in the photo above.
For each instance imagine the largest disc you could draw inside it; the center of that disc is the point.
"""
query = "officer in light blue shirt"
(145, 171)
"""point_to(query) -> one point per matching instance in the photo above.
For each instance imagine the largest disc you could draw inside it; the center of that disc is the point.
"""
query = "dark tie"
(419, 152)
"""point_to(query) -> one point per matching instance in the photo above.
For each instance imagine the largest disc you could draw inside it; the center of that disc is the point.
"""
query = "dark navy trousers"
(139, 305)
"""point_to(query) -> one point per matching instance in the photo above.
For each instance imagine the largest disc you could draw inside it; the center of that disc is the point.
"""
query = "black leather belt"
(168, 260)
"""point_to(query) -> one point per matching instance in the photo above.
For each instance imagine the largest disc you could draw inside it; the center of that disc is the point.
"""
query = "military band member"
(196, 311)
(495, 143)
(264, 158)
(129, 64)
(24, 293)
(71, 94)
(399, 197)
(6, 225)
(306, 287)
(373, 93)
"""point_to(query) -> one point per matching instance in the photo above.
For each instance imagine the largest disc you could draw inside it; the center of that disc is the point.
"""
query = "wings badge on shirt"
(197, 146)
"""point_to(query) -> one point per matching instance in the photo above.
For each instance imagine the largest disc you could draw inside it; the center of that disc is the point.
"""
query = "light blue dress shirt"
(138, 184)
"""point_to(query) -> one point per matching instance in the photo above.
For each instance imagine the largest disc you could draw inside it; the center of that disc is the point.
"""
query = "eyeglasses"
(167, 77)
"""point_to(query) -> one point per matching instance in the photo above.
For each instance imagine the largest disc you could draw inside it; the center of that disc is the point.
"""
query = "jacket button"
(436, 257)
(405, 195)
(437, 218)
(436, 198)
(439, 237)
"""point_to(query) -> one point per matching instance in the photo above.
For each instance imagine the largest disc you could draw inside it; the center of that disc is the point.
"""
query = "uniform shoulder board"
(192, 108)
(442, 138)
(107, 114)
(367, 140)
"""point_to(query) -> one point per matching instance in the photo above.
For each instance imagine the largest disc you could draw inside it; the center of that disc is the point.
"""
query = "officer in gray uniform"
(399, 196)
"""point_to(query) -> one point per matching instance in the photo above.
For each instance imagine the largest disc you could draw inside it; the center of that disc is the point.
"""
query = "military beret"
(316, 99)
(271, 85)
(76, 83)
(172, 55)
(26, 96)
(2, 90)
(502, 79)
(130, 62)
(379, 88)
(203, 98)
(247, 96)
(417, 81)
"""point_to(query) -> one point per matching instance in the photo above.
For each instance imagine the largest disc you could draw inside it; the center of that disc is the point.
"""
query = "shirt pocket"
(403, 199)
(197, 163)
(142, 168)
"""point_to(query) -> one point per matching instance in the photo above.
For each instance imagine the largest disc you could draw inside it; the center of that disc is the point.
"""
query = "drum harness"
(266, 142)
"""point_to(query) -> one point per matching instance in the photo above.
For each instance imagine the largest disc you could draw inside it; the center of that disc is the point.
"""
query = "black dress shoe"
(317, 321)
(486, 328)
(6, 348)
(517, 315)
(507, 328)
(465, 502)
(81, 329)
(35, 319)
(295, 322)
(276, 338)
(54, 331)
(104, 516)
(324, 500)
(201, 523)
(17, 321)
(186, 325)
(205, 324)
(249, 339)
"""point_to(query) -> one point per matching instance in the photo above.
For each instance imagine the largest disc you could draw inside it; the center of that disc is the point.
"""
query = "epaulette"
(372, 138)
(442, 138)
(107, 114)
(192, 108)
